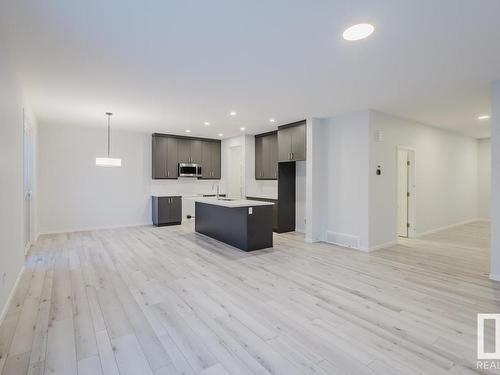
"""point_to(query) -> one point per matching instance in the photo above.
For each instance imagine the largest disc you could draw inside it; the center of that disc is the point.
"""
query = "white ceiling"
(172, 65)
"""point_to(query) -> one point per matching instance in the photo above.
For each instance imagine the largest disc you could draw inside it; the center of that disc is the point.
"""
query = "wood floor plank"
(61, 351)
(130, 357)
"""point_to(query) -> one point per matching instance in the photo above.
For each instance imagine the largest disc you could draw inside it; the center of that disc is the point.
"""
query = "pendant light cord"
(109, 129)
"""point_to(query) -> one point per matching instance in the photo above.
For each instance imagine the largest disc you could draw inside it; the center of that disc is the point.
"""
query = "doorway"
(235, 188)
(406, 192)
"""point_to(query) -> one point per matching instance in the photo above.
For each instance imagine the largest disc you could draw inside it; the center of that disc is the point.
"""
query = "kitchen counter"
(232, 203)
(242, 223)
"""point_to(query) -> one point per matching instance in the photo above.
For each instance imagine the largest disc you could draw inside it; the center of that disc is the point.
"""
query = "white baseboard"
(11, 295)
(447, 227)
(365, 250)
(494, 277)
(310, 240)
(87, 229)
(383, 246)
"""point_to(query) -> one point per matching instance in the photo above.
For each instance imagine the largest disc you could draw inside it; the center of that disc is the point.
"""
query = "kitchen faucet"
(217, 185)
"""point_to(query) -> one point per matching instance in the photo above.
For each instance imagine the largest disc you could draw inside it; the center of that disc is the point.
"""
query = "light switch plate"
(250, 210)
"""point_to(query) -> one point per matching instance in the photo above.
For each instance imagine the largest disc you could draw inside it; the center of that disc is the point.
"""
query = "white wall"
(300, 196)
(316, 180)
(11, 180)
(495, 181)
(446, 176)
(361, 207)
(484, 178)
(75, 194)
(347, 195)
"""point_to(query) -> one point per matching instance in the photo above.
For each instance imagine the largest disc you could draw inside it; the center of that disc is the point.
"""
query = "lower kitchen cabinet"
(167, 210)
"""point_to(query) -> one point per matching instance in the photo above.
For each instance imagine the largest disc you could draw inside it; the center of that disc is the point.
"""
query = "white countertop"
(235, 203)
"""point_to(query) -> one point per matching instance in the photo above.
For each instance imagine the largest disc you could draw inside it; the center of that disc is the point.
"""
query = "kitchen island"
(242, 223)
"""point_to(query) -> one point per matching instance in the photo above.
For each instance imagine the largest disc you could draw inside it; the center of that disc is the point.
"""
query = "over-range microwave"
(189, 170)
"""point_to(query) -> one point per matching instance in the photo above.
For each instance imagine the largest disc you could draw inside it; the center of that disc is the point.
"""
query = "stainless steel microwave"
(189, 170)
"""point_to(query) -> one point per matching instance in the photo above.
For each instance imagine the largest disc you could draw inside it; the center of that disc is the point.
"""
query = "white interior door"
(235, 173)
(403, 192)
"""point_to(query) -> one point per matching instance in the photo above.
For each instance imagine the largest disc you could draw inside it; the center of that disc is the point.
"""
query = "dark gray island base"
(246, 227)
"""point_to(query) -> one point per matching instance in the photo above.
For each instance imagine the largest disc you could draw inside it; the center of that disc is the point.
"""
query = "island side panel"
(228, 225)
(260, 227)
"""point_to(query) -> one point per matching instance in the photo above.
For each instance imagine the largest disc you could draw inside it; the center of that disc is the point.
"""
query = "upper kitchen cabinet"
(292, 142)
(266, 156)
(170, 150)
(211, 159)
(164, 157)
(189, 150)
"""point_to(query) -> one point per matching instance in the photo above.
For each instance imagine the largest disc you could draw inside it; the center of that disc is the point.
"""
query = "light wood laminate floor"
(169, 301)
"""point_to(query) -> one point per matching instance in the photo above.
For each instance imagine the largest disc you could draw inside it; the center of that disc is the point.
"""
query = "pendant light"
(108, 161)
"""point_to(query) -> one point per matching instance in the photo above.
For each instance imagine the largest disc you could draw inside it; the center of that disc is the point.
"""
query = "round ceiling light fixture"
(358, 32)
(207, 123)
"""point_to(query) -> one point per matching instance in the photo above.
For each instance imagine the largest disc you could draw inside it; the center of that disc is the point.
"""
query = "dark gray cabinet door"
(292, 143)
(171, 161)
(167, 210)
(189, 150)
(211, 158)
(266, 157)
(259, 158)
(206, 159)
(299, 142)
(271, 154)
(160, 147)
(164, 210)
(184, 150)
(216, 160)
(175, 214)
(284, 144)
(196, 146)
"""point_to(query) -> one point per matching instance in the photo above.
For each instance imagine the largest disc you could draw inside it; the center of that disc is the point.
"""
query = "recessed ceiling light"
(221, 135)
(242, 129)
(272, 120)
(232, 113)
(207, 123)
(358, 32)
(188, 131)
(483, 117)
